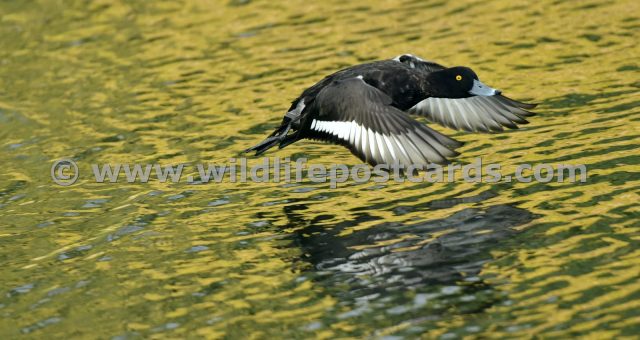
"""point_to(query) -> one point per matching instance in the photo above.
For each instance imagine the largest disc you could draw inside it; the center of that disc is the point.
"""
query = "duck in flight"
(367, 109)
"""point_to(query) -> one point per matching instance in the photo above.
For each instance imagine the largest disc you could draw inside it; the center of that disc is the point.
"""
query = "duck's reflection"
(446, 253)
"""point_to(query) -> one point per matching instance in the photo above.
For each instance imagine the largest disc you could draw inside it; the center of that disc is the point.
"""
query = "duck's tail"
(278, 137)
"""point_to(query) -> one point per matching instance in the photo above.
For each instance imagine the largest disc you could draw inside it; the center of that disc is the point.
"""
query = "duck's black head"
(458, 82)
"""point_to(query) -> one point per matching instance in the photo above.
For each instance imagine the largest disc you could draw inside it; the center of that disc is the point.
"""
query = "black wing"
(475, 114)
(359, 116)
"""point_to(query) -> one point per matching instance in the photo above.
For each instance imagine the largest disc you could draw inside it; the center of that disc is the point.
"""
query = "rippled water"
(199, 81)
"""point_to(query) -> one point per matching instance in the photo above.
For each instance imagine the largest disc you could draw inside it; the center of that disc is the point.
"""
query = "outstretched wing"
(419, 63)
(359, 116)
(475, 114)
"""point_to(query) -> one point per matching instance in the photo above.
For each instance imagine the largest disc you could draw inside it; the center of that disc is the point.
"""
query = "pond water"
(175, 82)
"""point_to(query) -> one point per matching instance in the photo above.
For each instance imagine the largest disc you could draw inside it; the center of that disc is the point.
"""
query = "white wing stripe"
(380, 146)
(352, 132)
(364, 149)
(372, 146)
(403, 152)
(413, 146)
(339, 129)
(390, 147)
(348, 131)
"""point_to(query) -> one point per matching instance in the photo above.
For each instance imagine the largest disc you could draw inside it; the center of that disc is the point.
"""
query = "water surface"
(199, 81)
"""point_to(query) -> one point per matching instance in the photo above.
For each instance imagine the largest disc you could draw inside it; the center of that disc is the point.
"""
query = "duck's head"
(458, 82)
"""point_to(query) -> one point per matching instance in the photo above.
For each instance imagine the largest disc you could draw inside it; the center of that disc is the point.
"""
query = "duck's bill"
(480, 89)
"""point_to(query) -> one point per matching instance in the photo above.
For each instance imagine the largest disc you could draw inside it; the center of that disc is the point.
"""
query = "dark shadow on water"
(416, 271)
(411, 253)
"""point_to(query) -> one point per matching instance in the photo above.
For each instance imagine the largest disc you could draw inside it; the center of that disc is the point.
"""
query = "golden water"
(198, 81)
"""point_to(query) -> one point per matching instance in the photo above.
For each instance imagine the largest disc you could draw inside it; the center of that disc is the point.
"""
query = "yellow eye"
(458, 77)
